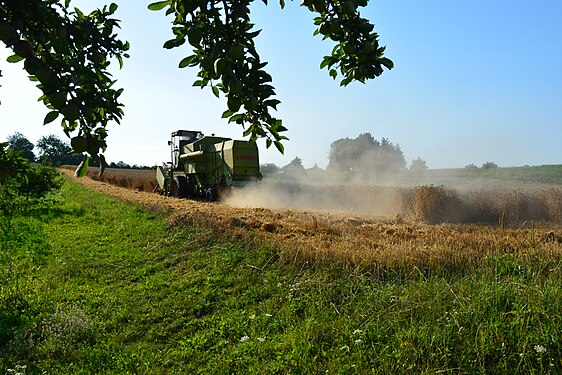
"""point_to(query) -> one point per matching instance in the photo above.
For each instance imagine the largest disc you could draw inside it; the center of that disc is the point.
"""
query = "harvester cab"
(203, 166)
(180, 139)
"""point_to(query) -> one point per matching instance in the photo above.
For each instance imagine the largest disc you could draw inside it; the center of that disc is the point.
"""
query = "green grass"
(94, 285)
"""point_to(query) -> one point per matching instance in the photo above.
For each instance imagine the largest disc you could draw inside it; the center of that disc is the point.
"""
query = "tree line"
(361, 156)
(55, 151)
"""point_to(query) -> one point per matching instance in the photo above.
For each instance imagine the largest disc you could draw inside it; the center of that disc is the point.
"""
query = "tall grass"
(436, 204)
(134, 179)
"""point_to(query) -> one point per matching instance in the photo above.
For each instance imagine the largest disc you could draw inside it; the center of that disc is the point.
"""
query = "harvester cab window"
(180, 139)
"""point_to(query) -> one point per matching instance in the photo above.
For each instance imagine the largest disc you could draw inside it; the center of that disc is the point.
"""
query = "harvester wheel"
(179, 187)
(191, 190)
(211, 194)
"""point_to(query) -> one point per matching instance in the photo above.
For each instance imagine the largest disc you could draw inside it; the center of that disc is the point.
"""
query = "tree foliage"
(418, 165)
(366, 155)
(66, 53)
(57, 151)
(489, 165)
(19, 142)
(222, 37)
(22, 185)
(269, 168)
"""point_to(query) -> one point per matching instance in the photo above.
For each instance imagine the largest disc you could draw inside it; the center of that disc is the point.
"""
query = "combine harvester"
(205, 167)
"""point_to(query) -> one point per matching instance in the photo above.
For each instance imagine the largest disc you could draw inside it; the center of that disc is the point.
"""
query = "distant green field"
(468, 177)
(526, 176)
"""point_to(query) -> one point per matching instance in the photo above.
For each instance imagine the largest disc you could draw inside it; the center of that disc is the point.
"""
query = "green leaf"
(120, 59)
(237, 117)
(103, 164)
(112, 7)
(248, 131)
(172, 43)
(272, 103)
(83, 167)
(282, 3)
(227, 113)
(51, 116)
(268, 143)
(333, 73)
(14, 59)
(216, 91)
(186, 61)
(325, 62)
(346, 81)
(159, 5)
(387, 63)
(279, 146)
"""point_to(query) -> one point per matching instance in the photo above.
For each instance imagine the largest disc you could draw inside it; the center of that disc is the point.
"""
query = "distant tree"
(119, 165)
(366, 155)
(297, 162)
(57, 151)
(268, 168)
(471, 166)
(294, 168)
(489, 165)
(19, 142)
(418, 165)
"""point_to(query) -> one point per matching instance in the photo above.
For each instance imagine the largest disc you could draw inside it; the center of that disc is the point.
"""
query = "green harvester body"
(205, 167)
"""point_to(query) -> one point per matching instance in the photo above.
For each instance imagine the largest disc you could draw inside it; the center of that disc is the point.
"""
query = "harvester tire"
(211, 194)
(191, 190)
(179, 187)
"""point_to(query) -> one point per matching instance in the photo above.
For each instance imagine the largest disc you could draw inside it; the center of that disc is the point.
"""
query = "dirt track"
(317, 236)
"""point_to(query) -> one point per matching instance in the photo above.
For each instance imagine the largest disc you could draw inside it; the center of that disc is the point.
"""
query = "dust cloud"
(449, 199)
(360, 199)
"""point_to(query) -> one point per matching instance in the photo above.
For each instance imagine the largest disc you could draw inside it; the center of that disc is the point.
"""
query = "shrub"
(489, 165)
(22, 185)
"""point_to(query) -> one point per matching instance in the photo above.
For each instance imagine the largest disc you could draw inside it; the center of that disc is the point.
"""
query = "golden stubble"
(357, 240)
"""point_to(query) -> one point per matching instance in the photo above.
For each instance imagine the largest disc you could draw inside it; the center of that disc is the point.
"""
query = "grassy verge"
(94, 285)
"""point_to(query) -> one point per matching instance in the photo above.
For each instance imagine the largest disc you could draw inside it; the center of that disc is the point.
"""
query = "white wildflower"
(357, 332)
(540, 349)
(261, 339)
(253, 316)
(358, 341)
(244, 338)
(268, 315)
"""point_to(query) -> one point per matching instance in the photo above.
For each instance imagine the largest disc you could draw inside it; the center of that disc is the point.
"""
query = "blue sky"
(474, 81)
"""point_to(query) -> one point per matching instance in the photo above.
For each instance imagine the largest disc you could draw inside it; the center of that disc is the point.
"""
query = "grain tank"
(203, 166)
